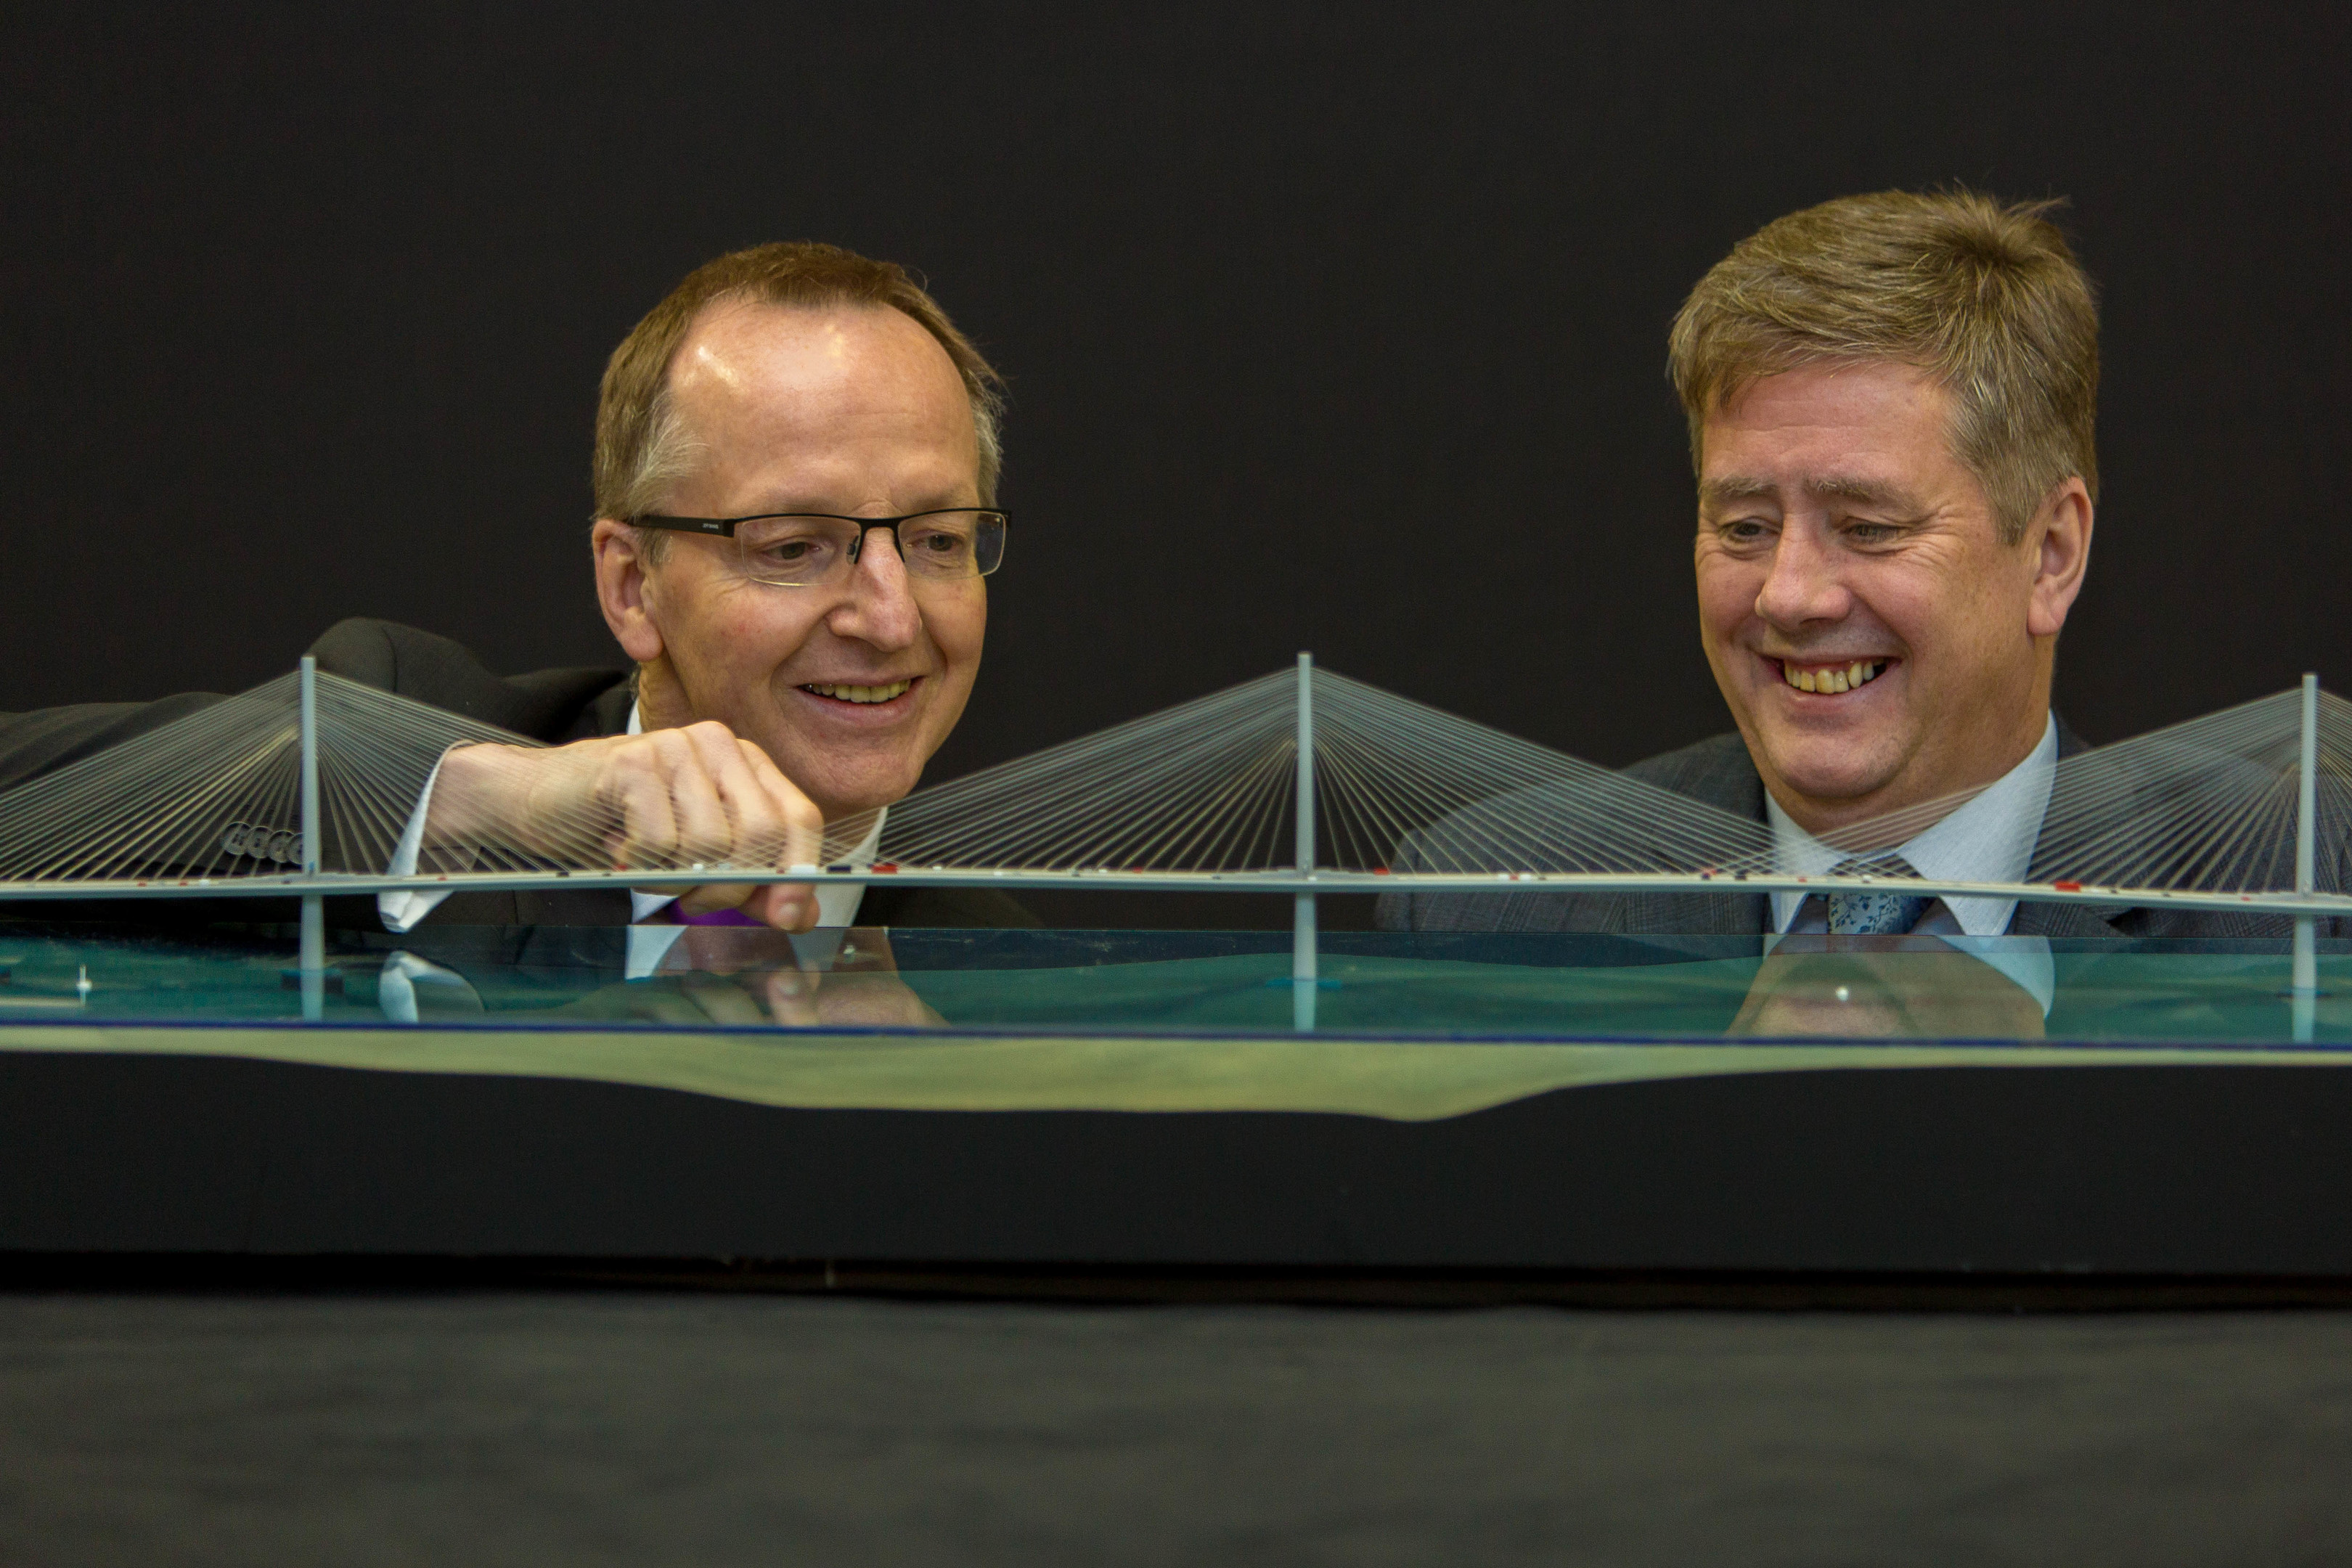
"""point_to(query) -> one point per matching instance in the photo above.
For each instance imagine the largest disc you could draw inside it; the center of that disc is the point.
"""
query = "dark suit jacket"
(552, 705)
(1719, 773)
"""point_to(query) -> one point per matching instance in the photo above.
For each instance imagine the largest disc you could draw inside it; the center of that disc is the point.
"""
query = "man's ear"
(624, 589)
(2060, 539)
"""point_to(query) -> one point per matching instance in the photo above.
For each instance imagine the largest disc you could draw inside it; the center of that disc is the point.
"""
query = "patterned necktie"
(1874, 913)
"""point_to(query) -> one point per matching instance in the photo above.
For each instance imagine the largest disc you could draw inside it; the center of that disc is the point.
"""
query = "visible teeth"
(861, 693)
(1858, 673)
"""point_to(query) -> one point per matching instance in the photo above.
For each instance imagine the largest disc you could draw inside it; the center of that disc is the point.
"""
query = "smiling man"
(795, 470)
(796, 466)
(1891, 400)
(1884, 632)
(797, 461)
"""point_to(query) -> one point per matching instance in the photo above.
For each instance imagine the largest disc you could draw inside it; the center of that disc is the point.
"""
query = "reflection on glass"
(1447, 986)
(1892, 988)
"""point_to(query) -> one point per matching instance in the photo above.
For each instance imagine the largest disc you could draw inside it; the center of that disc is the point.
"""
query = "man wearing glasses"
(796, 471)
(795, 475)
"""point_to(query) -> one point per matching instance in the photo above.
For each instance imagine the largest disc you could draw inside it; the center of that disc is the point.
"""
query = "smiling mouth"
(890, 692)
(1829, 680)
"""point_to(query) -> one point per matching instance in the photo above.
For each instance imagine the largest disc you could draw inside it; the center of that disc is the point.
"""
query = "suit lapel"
(2087, 921)
(607, 715)
(1724, 776)
(2064, 921)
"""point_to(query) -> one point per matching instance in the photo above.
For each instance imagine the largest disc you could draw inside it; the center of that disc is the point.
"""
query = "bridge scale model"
(1301, 783)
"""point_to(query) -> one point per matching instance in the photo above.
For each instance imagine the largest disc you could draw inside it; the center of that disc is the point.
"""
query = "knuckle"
(636, 754)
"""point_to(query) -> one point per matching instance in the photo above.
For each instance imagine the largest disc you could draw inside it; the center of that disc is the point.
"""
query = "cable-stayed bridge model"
(1300, 783)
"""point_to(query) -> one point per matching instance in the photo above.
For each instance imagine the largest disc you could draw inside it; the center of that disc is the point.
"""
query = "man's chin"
(1835, 784)
(845, 795)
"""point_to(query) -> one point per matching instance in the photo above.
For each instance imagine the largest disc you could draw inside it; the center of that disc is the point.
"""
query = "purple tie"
(719, 918)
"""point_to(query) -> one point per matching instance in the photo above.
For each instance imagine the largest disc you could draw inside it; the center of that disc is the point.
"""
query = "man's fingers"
(667, 811)
(776, 826)
(705, 836)
(758, 832)
(716, 896)
(791, 905)
(787, 906)
(792, 998)
(645, 834)
(665, 799)
(723, 1000)
(701, 797)
(799, 826)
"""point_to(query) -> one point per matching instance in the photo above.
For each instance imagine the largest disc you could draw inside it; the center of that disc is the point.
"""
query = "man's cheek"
(757, 637)
(1721, 614)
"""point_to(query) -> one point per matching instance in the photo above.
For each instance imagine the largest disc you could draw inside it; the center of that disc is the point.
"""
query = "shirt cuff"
(402, 907)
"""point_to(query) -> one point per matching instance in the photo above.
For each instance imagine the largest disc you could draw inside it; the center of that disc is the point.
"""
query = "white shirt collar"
(1989, 839)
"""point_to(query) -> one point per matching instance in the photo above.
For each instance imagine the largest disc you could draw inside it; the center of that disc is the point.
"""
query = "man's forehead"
(832, 409)
(1835, 390)
(1874, 433)
(751, 348)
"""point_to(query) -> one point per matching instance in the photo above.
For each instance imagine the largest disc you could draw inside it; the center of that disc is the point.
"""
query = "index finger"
(802, 836)
(798, 830)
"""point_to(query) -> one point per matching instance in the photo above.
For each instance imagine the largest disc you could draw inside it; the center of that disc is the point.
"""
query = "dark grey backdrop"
(1338, 329)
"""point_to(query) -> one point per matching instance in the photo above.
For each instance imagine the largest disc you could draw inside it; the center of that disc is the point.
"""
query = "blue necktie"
(1874, 913)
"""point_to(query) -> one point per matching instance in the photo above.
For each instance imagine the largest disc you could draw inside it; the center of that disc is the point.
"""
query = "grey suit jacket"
(1719, 773)
(557, 706)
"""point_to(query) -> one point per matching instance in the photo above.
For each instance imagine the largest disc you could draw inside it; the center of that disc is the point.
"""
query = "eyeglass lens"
(799, 552)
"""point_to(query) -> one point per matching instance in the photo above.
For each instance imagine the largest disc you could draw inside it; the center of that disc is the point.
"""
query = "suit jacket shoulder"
(47, 739)
(1714, 772)
(553, 705)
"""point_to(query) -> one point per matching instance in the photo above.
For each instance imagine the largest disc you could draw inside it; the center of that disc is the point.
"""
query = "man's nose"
(1805, 583)
(879, 608)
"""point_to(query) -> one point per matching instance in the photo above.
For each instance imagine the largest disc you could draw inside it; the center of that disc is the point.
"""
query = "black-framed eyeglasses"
(813, 549)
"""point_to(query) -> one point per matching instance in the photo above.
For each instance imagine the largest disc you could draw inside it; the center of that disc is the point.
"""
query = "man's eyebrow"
(1869, 492)
(1724, 489)
(1730, 490)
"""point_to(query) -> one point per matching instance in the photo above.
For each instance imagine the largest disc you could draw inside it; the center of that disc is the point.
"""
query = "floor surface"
(628, 1427)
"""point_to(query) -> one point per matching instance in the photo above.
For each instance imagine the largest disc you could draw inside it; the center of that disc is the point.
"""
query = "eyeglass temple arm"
(718, 525)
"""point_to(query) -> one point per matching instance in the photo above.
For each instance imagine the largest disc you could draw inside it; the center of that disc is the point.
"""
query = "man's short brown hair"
(1986, 298)
(642, 448)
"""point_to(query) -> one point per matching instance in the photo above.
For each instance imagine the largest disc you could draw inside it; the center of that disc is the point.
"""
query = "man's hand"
(666, 800)
(737, 976)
